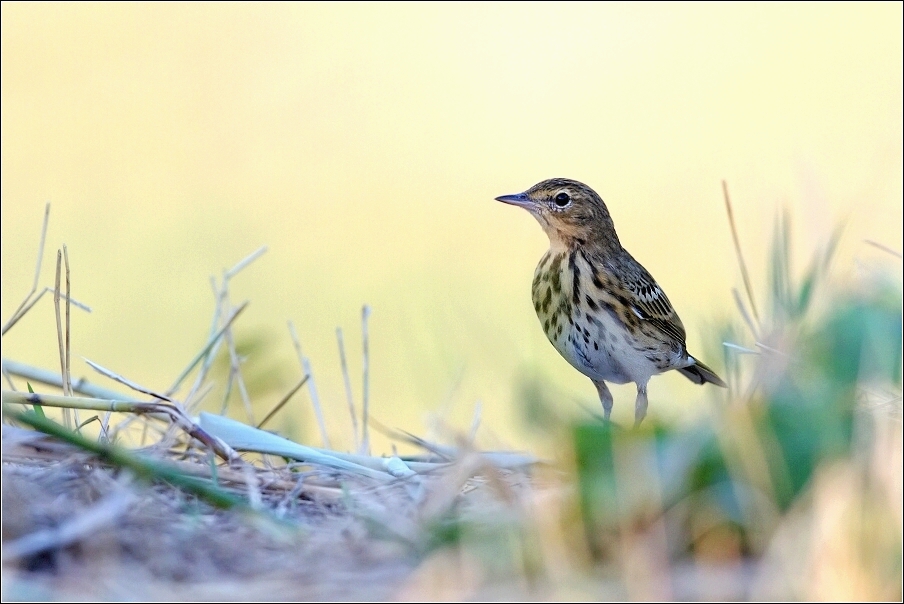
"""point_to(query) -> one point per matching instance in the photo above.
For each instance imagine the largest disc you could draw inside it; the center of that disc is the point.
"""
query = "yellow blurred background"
(364, 144)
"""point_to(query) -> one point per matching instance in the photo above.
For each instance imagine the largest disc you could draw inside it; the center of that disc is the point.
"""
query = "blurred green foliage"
(801, 405)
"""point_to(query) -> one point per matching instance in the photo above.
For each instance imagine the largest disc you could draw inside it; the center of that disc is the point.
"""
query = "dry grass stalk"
(235, 375)
(740, 255)
(21, 310)
(346, 378)
(156, 409)
(365, 387)
(62, 342)
(67, 378)
(30, 298)
(884, 248)
(259, 485)
(211, 342)
(126, 382)
(312, 386)
(35, 374)
(283, 401)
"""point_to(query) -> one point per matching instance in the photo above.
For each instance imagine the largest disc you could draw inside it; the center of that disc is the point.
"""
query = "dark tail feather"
(700, 374)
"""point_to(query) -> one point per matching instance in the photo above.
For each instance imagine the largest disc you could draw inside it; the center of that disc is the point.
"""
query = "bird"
(600, 308)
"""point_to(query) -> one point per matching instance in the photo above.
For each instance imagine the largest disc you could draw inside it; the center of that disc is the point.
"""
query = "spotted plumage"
(599, 307)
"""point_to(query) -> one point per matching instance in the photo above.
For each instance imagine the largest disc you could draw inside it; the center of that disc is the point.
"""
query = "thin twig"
(34, 286)
(739, 348)
(59, 322)
(126, 382)
(68, 376)
(105, 426)
(315, 401)
(348, 386)
(51, 378)
(211, 352)
(213, 340)
(67, 417)
(737, 244)
(771, 349)
(154, 409)
(295, 342)
(312, 386)
(365, 390)
(35, 300)
(284, 400)
(444, 452)
(227, 394)
(236, 373)
(241, 264)
(235, 369)
(884, 248)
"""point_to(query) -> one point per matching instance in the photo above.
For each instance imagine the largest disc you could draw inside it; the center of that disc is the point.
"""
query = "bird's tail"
(699, 373)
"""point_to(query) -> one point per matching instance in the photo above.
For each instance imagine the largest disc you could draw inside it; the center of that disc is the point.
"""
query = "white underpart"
(616, 359)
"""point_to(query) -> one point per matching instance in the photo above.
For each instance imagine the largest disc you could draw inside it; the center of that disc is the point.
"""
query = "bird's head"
(570, 212)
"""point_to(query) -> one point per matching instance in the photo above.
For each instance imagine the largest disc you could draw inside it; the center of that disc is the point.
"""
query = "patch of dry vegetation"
(790, 488)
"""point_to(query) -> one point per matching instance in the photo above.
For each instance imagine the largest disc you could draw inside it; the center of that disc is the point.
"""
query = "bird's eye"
(562, 199)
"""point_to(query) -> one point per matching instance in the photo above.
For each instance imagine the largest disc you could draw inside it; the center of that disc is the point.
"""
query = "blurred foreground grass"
(799, 469)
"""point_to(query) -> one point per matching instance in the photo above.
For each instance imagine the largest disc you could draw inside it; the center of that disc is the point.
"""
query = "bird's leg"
(640, 405)
(605, 397)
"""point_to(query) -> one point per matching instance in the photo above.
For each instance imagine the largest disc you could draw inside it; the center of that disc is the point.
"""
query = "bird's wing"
(651, 305)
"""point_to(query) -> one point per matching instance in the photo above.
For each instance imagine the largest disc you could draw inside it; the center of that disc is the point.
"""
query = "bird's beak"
(519, 199)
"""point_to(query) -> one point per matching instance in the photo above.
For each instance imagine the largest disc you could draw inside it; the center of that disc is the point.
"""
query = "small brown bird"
(598, 306)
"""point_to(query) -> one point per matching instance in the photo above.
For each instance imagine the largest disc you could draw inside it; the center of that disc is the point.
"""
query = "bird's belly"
(604, 350)
(594, 341)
